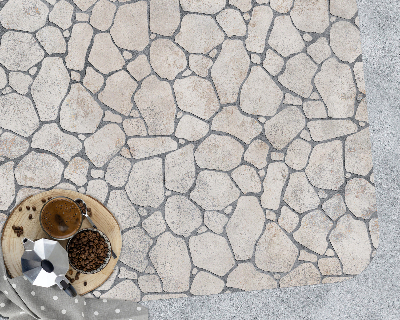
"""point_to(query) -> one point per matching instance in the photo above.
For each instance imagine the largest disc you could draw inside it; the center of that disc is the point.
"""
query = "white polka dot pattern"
(117, 311)
(63, 311)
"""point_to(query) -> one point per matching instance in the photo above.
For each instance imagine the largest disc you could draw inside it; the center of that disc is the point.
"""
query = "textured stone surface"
(149, 283)
(125, 290)
(260, 95)
(373, 228)
(214, 190)
(231, 21)
(304, 275)
(334, 207)
(164, 16)
(345, 41)
(102, 15)
(230, 70)
(211, 252)
(146, 147)
(275, 179)
(275, 252)
(171, 259)
(7, 185)
(19, 81)
(180, 169)
(200, 64)
(257, 153)
(139, 68)
(288, 219)
(360, 198)
(297, 154)
(191, 128)
(123, 210)
(351, 243)
(78, 45)
(258, 27)
(273, 62)
(343, 8)
(310, 16)
(104, 144)
(329, 266)
(203, 6)
(358, 153)
(247, 278)
(145, 184)
(117, 171)
(93, 80)
(247, 179)
(359, 75)
(319, 50)
(76, 171)
(52, 40)
(205, 284)
(322, 130)
(215, 221)
(155, 224)
(61, 14)
(12, 146)
(97, 189)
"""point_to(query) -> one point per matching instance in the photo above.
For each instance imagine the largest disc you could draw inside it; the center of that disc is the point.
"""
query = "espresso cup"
(60, 218)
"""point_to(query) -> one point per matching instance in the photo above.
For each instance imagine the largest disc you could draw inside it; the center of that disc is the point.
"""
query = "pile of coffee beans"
(18, 230)
(82, 207)
(87, 251)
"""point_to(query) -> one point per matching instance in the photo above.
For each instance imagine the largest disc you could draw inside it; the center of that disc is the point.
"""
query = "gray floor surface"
(375, 293)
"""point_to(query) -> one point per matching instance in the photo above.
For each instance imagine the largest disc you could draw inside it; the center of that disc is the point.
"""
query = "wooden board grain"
(12, 244)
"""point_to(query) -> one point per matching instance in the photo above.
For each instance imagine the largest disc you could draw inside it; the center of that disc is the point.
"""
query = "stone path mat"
(229, 139)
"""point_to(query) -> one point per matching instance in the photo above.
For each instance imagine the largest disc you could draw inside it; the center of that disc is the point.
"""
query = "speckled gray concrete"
(375, 293)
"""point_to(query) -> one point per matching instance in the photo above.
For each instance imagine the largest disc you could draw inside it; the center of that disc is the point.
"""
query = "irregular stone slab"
(93, 80)
(334, 207)
(182, 216)
(360, 198)
(102, 15)
(80, 112)
(299, 194)
(322, 130)
(165, 16)
(231, 21)
(135, 127)
(155, 224)
(275, 252)
(139, 68)
(215, 221)
(362, 111)
(197, 96)
(358, 153)
(156, 104)
(359, 75)
(118, 171)
(145, 184)
(306, 256)
(135, 249)
(315, 109)
(284, 127)
(304, 275)
(51, 40)
(214, 190)
(76, 171)
(26, 192)
(167, 59)
(325, 168)
(374, 231)
(245, 227)
(78, 45)
(18, 114)
(50, 87)
(343, 8)
(297, 154)
(274, 181)
(19, 51)
(12, 146)
(298, 74)
(260, 95)
(84, 4)
(19, 81)
(247, 179)
(313, 231)
(351, 243)
(319, 50)
(149, 283)
(288, 219)
(200, 64)
(258, 27)
(345, 41)
(203, 6)
(117, 93)
(7, 185)
(273, 62)
(211, 252)
(125, 290)
(336, 86)
(124, 273)
(230, 70)
(97, 189)
(61, 15)
(104, 55)
(231, 121)
(206, 284)
(191, 128)
(104, 144)
(123, 210)
(243, 5)
(39, 170)
(247, 278)
(257, 153)
(24, 15)
(284, 37)
(310, 16)
(146, 147)
(180, 170)
(199, 33)
(282, 6)
(52, 139)
(171, 259)
(329, 266)
(130, 28)
(219, 153)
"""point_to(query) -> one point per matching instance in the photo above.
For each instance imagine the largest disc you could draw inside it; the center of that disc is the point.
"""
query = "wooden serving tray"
(13, 248)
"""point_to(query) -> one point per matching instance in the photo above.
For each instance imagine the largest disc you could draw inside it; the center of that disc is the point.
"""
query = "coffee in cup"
(61, 218)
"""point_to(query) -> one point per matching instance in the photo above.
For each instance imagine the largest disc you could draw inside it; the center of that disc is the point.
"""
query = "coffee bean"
(85, 283)
(49, 198)
(20, 209)
(43, 200)
(30, 216)
(34, 208)
(13, 227)
(28, 208)
(18, 234)
(70, 271)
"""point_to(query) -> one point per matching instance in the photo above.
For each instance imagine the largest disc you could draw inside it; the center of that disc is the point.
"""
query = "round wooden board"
(12, 244)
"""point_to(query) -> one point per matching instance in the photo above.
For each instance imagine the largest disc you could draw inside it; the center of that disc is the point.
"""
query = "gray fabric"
(21, 300)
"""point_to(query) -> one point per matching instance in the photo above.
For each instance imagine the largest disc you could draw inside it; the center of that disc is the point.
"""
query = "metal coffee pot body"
(45, 263)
